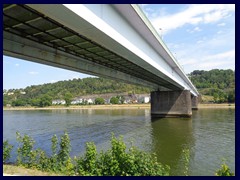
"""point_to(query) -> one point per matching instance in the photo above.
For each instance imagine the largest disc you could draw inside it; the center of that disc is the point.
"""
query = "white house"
(58, 102)
(77, 101)
(144, 99)
(89, 101)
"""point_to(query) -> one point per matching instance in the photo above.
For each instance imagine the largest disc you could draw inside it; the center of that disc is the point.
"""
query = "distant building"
(145, 99)
(89, 101)
(58, 102)
(22, 92)
(77, 101)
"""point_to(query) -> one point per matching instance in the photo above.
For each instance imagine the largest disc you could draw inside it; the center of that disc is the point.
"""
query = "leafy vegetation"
(224, 171)
(7, 148)
(99, 100)
(220, 84)
(114, 162)
(68, 98)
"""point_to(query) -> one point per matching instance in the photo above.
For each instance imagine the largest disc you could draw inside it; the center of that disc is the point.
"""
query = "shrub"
(26, 156)
(119, 162)
(65, 148)
(7, 148)
(224, 171)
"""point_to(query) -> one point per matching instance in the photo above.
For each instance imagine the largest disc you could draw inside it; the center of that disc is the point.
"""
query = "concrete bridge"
(113, 41)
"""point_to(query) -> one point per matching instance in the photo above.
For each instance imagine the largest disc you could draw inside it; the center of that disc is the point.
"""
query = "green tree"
(99, 100)
(68, 98)
(45, 100)
(19, 102)
(114, 100)
(36, 102)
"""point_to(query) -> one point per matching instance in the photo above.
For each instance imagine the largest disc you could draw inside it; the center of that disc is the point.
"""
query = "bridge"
(112, 41)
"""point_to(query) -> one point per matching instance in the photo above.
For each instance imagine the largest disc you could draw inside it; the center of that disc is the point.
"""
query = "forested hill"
(217, 85)
(75, 87)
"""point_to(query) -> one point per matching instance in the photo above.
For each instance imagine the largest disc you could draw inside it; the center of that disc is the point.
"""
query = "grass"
(206, 98)
(22, 171)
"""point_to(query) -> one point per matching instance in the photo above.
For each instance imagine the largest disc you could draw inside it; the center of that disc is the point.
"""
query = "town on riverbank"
(112, 106)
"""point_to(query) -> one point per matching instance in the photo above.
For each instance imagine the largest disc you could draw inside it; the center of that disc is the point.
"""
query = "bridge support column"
(171, 103)
(194, 102)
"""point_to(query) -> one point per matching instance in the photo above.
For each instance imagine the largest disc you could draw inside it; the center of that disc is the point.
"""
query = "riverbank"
(204, 106)
(116, 106)
(13, 170)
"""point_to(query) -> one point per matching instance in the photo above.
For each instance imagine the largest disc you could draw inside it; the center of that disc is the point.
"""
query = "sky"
(201, 37)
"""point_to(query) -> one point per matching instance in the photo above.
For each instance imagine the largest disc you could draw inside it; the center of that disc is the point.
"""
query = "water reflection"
(171, 136)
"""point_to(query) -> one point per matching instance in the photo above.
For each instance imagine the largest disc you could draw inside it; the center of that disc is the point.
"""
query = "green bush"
(65, 148)
(99, 100)
(7, 148)
(26, 156)
(119, 162)
(224, 171)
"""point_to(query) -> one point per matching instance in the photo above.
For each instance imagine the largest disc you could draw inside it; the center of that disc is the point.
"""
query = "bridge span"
(116, 41)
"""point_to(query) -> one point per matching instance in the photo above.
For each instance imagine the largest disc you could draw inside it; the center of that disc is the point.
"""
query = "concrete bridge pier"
(171, 103)
(194, 102)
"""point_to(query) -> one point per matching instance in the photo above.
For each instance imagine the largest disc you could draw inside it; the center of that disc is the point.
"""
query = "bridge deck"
(28, 23)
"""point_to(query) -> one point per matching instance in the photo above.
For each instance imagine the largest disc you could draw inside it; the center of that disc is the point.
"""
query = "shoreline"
(118, 106)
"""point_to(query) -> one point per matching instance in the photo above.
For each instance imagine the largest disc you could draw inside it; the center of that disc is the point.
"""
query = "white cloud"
(229, 55)
(33, 72)
(223, 60)
(53, 81)
(207, 52)
(194, 15)
(196, 29)
(17, 65)
(221, 24)
(200, 41)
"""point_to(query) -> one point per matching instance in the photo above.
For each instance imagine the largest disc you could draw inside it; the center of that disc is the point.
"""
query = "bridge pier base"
(171, 103)
(194, 102)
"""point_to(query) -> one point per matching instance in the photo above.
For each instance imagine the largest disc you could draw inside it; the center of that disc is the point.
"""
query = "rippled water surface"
(209, 134)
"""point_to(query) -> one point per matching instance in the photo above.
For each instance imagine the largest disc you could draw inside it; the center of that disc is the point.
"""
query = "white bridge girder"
(32, 51)
(121, 29)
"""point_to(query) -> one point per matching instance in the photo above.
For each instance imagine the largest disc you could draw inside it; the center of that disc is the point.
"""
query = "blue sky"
(201, 37)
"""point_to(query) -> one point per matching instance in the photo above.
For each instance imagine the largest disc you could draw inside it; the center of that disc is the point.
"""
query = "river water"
(209, 134)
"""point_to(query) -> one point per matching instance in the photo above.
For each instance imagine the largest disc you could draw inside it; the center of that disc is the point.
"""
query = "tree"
(19, 102)
(45, 100)
(114, 100)
(68, 98)
(99, 100)
(36, 102)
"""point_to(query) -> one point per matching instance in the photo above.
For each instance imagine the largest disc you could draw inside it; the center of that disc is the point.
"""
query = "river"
(209, 134)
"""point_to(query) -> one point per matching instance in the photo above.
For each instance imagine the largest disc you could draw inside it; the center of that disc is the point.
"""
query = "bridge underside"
(32, 36)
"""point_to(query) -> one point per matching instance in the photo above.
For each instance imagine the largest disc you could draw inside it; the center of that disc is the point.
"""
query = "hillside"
(33, 95)
(215, 86)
